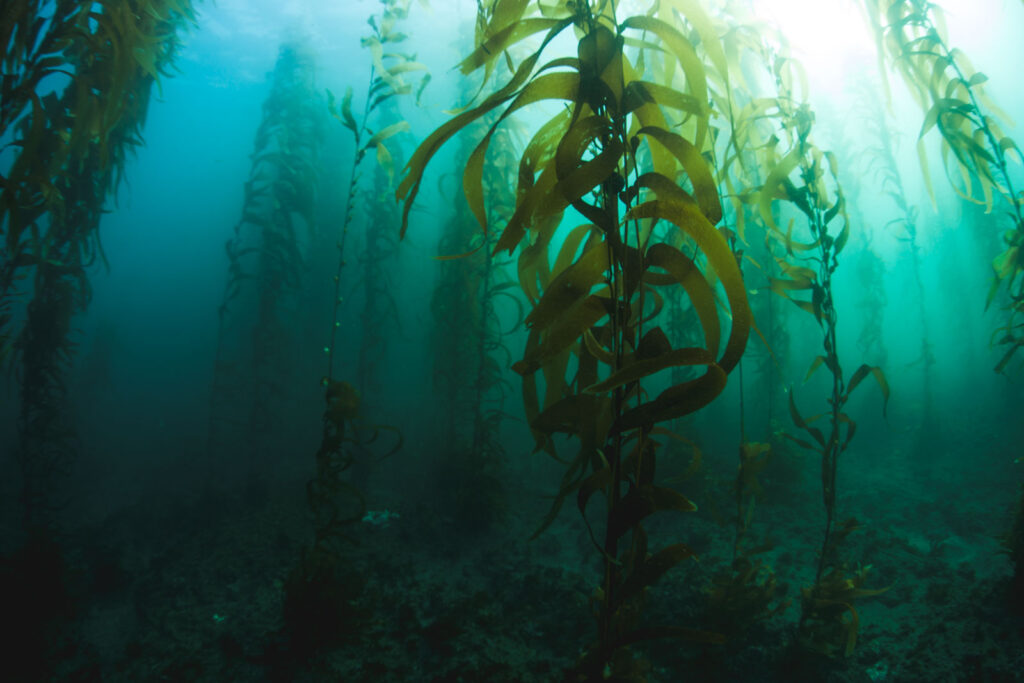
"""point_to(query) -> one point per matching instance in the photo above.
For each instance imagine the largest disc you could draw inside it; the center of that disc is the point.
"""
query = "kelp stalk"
(593, 325)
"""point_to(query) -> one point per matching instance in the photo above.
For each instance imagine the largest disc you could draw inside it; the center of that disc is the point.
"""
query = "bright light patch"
(829, 37)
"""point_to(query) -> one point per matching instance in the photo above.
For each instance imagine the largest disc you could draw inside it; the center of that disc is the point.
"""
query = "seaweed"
(805, 177)
(468, 336)
(74, 95)
(317, 586)
(70, 146)
(379, 315)
(626, 154)
(387, 79)
(975, 152)
(267, 253)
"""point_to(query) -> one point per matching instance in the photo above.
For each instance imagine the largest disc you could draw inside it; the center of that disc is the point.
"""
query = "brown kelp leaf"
(409, 187)
(680, 47)
(721, 259)
(652, 569)
(799, 421)
(829, 362)
(570, 286)
(638, 369)
(685, 272)
(875, 371)
(770, 191)
(641, 502)
(501, 40)
(676, 401)
(689, 157)
(574, 476)
(561, 333)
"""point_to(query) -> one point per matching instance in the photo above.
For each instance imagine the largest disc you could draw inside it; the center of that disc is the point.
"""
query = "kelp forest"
(511, 340)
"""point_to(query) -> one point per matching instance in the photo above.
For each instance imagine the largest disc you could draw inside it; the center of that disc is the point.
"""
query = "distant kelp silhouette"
(267, 254)
(75, 92)
(975, 152)
(470, 356)
(97, 63)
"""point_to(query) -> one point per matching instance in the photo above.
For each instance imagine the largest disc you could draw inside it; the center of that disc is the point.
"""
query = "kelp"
(74, 94)
(468, 338)
(881, 165)
(378, 318)
(873, 301)
(346, 438)
(267, 256)
(73, 100)
(829, 620)
(387, 79)
(96, 63)
(631, 166)
(975, 152)
(804, 177)
(746, 591)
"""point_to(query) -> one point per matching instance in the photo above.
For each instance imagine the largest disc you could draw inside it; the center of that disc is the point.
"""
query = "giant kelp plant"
(976, 154)
(267, 253)
(76, 86)
(646, 207)
(975, 151)
(99, 62)
(625, 153)
(320, 587)
(806, 177)
(471, 356)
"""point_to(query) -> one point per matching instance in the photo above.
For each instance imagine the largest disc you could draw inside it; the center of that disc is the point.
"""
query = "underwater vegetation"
(267, 255)
(651, 287)
(68, 149)
(611, 155)
(911, 36)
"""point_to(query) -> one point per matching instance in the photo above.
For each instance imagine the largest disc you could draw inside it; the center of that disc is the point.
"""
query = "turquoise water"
(184, 512)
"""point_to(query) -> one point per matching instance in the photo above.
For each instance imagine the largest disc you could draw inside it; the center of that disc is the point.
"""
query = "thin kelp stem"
(909, 33)
(346, 220)
(68, 149)
(592, 342)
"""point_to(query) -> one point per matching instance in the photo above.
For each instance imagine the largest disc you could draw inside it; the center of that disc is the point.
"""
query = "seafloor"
(186, 588)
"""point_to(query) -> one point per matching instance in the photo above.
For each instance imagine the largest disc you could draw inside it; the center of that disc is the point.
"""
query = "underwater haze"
(409, 340)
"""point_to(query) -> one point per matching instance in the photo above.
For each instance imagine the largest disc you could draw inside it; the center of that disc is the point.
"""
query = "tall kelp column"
(975, 155)
(267, 254)
(470, 355)
(624, 151)
(96, 62)
(322, 586)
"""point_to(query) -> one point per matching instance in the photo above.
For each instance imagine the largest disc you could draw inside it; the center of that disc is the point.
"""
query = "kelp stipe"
(72, 146)
(613, 154)
(320, 589)
(805, 177)
(378, 317)
(911, 37)
(388, 72)
(68, 147)
(469, 350)
(267, 254)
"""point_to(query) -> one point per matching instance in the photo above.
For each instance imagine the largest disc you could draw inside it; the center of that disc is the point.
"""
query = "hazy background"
(146, 344)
